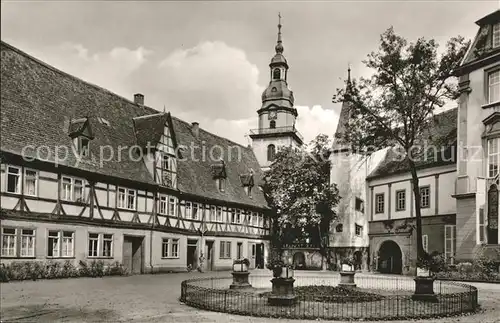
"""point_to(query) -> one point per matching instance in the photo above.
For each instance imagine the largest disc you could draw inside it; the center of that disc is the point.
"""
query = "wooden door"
(127, 254)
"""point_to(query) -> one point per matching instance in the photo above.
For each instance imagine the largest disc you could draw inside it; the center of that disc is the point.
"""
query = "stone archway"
(390, 259)
(299, 260)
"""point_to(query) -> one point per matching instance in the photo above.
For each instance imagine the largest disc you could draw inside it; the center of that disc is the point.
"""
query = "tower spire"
(279, 45)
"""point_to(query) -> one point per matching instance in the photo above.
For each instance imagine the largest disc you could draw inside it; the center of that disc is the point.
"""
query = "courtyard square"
(153, 298)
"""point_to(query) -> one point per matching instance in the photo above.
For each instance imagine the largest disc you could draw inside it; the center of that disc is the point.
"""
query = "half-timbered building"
(87, 174)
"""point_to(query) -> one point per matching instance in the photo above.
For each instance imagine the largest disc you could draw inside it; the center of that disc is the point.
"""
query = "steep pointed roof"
(345, 113)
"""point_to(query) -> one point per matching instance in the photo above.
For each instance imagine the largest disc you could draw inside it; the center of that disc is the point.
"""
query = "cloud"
(211, 79)
(315, 120)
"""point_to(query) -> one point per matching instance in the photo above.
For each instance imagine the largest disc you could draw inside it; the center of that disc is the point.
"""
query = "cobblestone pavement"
(149, 298)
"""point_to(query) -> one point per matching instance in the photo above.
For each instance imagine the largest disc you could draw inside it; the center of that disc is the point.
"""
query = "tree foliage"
(297, 187)
(396, 105)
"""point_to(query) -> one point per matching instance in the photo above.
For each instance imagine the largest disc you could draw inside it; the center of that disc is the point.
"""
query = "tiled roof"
(39, 102)
(482, 44)
(441, 134)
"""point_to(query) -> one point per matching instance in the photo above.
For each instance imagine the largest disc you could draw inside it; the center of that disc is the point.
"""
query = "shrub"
(53, 269)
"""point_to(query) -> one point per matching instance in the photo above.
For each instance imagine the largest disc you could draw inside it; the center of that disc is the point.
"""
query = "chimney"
(195, 129)
(139, 99)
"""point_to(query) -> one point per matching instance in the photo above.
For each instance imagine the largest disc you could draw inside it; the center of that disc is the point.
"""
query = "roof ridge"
(66, 74)
(213, 134)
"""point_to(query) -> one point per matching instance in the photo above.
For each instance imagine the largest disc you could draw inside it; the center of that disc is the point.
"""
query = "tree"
(396, 105)
(298, 190)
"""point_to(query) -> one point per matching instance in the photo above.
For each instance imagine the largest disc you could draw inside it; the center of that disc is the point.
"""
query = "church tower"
(277, 115)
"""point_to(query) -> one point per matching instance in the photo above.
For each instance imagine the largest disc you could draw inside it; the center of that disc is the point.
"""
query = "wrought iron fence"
(393, 299)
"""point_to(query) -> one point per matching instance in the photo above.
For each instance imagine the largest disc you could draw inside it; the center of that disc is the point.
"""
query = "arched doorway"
(390, 259)
(299, 260)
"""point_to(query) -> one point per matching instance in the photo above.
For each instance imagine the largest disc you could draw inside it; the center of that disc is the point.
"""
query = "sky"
(208, 61)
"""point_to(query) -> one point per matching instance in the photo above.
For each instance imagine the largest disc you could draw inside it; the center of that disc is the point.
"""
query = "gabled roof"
(39, 102)
(442, 134)
(149, 128)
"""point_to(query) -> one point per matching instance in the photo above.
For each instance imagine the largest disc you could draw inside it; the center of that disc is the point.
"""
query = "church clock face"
(272, 115)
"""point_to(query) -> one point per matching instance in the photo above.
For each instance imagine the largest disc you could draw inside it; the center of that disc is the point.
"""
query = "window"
(167, 169)
(194, 216)
(126, 198)
(272, 124)
(425, 242)
(188, 209)
(221, 184)
(30, 182)
(271, 152)
(100, 245)
(225, 250)
(339, 227)
(60, 244)
(425, 197)
(233, 215)
(379, 203)
(494, 86)
(13, 179)
(82, 146)
(496, 35)
(276, 74)
(358, 229)
(27, 243)
(400, 200)
(93, 244)
(172, 206)
(219, 214)
(162, 204)
(360, 205)
(238, 216)
(255, 219)
(254, 250)
(482, 226)
(493, 156)
(449, 243)
(239, 250)
(212, 213)
(10, 239)
(170, 248)
(8, 242)
(72, 189)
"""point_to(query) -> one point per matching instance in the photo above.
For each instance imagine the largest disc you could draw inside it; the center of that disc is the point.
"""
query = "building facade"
(277, 115)
(87, 174)
(476, 190)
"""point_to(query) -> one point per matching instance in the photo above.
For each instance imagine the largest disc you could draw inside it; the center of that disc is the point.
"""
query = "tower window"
(272, 124)
(271, 152)
(276, 74)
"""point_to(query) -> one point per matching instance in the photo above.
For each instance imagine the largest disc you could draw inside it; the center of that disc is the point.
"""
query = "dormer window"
(82, 146)
(247, 182)
(219, 174)
(81, 133)
(496, 35)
